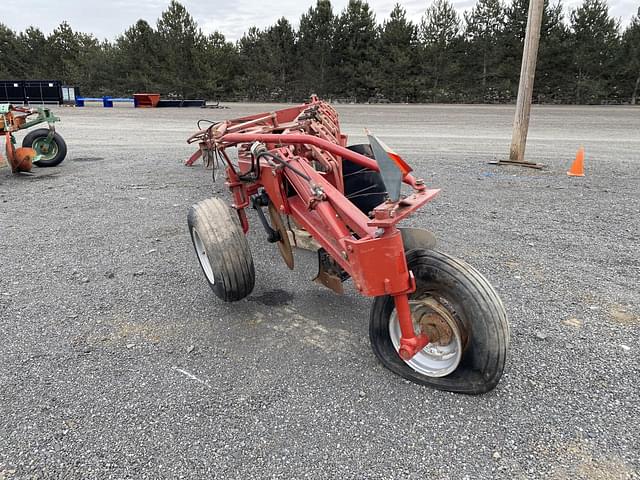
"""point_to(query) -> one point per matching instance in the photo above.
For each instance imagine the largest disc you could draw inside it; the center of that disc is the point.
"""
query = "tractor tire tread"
(220, 230)
(486, 323)
(33, 135)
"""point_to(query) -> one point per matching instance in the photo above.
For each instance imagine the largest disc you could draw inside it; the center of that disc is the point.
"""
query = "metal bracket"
(330, 274)
(257, 202)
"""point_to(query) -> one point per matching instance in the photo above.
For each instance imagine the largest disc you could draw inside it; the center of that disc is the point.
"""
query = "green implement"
(42, 146)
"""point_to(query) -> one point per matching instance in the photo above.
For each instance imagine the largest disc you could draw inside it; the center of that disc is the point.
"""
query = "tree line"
(586, 58)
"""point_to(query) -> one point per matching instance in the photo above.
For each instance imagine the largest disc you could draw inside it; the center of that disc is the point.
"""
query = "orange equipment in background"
(146, 100)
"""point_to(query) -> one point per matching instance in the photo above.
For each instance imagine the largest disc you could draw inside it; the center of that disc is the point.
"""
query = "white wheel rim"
(434, 360)
(203, 258)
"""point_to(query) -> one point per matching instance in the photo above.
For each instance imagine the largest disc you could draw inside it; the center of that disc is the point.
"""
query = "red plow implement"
(434, 320)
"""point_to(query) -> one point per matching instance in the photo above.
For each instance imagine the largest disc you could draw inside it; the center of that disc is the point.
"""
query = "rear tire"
(479, 318)
(57, 150)
(222, 249)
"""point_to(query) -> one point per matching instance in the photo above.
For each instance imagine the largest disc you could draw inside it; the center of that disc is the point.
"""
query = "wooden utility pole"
(525, 88)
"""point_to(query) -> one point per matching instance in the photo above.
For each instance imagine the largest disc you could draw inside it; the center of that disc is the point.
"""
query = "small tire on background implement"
(60, 147)
(480, 312)
(222, 249)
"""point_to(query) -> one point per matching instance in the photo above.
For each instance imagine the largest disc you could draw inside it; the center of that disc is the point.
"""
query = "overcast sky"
(107, 19)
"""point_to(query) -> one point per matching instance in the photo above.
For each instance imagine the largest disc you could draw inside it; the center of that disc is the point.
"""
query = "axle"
(410, 343)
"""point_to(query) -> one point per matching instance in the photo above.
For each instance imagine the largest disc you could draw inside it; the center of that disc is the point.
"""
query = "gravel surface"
(117, 361)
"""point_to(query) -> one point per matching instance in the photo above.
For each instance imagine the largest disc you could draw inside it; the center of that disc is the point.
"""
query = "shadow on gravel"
(273, 298)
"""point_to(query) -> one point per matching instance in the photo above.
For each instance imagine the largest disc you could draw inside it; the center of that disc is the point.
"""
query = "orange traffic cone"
(577, 167)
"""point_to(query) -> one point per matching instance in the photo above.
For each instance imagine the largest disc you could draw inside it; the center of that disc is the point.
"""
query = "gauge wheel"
(460, 312)
(51, 152)
(222, 249)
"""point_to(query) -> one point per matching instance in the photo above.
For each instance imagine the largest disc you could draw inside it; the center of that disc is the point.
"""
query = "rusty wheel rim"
(444, 352)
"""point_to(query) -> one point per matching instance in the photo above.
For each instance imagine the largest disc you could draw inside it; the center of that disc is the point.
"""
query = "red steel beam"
(299, 138)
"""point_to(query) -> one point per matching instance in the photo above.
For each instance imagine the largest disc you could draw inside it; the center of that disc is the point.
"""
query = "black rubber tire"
(357, 178)
(227, 250)
(478, 308)
(34, 135)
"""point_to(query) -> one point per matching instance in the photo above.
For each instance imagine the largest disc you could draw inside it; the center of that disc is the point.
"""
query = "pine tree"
(268, 61)
(137, 58)
(35, 49)
(441, 41)
(512, 44)
(64, 50)
(349, 55)
(222, 66)
(485, 24)
(280, 51)
(12, 64)
(315, 37)
(181, 47)
(595, 41)
(90, 70)
(396, 73)
(554, 59)
(257, 80)
(354, 51)
(630, 77)
(553, 72)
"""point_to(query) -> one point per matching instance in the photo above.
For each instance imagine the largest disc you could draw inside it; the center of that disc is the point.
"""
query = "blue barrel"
(107, 102)
(79, 102)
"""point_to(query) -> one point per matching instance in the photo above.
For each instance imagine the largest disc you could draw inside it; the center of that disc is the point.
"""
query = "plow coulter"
(434, 320)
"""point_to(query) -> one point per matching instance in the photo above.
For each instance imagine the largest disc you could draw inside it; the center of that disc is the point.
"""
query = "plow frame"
(302, 150)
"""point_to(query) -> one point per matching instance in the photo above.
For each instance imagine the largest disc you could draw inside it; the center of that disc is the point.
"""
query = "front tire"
(52, 153)
(222, 249)
(461, 308)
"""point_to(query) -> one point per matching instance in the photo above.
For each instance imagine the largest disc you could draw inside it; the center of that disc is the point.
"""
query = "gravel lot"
(117, 361)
